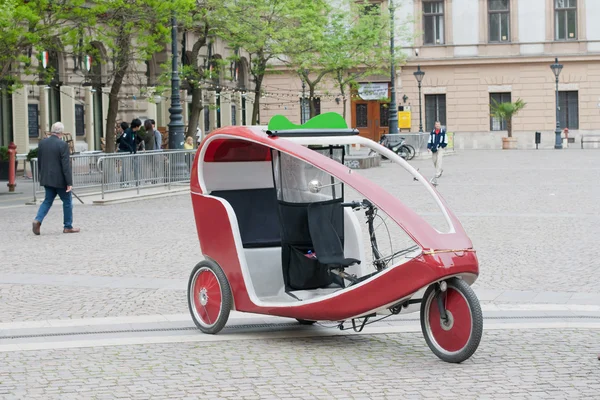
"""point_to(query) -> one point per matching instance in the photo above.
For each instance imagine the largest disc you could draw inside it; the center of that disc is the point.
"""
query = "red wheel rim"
(455, 335)
(207, 297)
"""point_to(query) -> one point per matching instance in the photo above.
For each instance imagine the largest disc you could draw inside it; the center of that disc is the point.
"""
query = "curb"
(172, 192)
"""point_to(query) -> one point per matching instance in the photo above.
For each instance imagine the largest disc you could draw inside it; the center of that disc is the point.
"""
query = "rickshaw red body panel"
(218, 240)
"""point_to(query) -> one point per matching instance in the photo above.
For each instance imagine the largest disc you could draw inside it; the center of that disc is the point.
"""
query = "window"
(435, 110)
(79, 120)
(497, 124)
(34, 121)
(384, 114)
(565, 19)
(433, 21)
(361, 116)
(206, 119)
(244, 109)
(568, 113)
(233, 116)
(305, 108)
(499, 20)
(373, 8)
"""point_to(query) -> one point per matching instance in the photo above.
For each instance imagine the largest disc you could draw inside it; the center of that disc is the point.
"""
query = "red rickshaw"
(279, 238)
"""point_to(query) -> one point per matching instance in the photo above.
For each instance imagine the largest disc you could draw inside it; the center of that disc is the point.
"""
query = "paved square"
(533, 216)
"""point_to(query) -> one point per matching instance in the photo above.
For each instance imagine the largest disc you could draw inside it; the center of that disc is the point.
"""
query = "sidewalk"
(23, 194)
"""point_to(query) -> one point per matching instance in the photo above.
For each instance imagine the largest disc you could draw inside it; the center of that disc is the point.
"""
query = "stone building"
(473, 51)
(78, 95)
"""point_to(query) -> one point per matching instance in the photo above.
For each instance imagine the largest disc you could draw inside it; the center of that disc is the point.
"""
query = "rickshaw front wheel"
(209, 297)
(455, 338)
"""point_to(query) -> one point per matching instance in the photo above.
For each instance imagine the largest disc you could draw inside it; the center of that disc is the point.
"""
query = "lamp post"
(393, 113)
(176, 127)
(556, 68)
(419, 76)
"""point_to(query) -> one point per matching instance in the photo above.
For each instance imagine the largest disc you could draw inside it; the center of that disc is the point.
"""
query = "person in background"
(148, 135)
(157, 136)
(437, 143)
(54, 168)
(128, 144)
(189, 143)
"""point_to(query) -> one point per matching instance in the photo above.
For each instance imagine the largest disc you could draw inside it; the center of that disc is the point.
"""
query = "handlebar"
(358, 204)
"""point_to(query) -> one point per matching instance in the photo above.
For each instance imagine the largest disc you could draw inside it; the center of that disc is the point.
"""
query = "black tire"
(411, 151)
(448, 346)
(403, 152)
(305, 322)
(209, 317)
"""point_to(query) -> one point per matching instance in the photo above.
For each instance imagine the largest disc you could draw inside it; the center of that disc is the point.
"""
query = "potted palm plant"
(506, 111)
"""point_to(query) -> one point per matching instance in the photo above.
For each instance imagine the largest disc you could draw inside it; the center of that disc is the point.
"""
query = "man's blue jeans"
(67, 200)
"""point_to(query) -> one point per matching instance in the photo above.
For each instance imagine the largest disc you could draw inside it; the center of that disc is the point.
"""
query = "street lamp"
(393, 113)
(419, 76)
(556, 68)
(176, 127)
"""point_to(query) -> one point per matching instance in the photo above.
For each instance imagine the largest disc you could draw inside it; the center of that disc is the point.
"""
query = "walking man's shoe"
(36, 227)
(71, 230)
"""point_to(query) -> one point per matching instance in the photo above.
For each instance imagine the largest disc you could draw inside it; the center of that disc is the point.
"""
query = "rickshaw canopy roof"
(254, 143)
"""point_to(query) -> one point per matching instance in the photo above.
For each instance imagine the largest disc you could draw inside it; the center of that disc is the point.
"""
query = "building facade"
(78, 95)
(473, 51)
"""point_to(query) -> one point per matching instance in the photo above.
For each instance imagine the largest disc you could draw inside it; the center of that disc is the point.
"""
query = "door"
(370, 118)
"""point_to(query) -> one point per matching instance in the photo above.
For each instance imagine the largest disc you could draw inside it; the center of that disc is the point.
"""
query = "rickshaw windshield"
(294, 178)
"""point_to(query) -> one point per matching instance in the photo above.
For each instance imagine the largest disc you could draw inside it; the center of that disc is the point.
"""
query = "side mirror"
(314, 186)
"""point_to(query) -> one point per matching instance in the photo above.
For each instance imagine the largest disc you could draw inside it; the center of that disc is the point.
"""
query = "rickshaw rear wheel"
(209, 297)
(453, 340)
(305, 321)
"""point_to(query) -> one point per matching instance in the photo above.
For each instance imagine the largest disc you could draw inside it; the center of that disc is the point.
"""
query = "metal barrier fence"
(104, 173)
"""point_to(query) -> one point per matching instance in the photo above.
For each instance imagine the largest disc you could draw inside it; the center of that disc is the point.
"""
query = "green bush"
(3, 153)
(33, 153)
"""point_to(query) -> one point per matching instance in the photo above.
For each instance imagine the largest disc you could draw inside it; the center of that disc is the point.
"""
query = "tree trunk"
(311, 103)
(122, 62)
(509, 126)
(256, 106)
(195, 112)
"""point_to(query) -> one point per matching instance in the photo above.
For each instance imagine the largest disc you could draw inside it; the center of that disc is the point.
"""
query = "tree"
(207, 19)
(352, 45)
(131, 30)
(268, 29)
(26, 26)
(505, 111)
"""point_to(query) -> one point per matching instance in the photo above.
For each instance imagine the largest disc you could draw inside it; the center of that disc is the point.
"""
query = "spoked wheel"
(209, 297)
(305, 321)
(403, 152)
(410, 151)
(456, 338)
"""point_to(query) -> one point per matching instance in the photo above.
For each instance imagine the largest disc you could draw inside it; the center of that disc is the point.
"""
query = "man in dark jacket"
(128, 144)
(437, 143)
(54, 169)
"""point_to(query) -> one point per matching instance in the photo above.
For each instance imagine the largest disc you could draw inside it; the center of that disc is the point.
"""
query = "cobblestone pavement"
(534, 219)
(509, 364)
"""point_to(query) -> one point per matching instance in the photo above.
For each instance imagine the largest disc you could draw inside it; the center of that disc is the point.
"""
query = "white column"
(225, 109)
(237, 100)
(249, 105)
(67, 109)
(20, 119)
(105, 100)
(89, 118)
(44, 110)
(212, 112)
